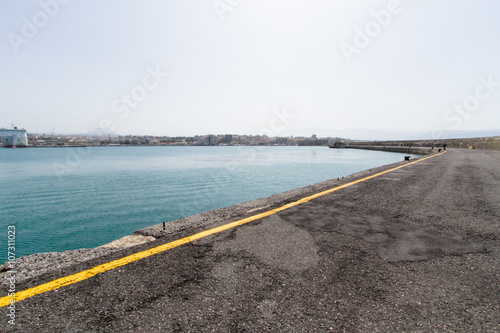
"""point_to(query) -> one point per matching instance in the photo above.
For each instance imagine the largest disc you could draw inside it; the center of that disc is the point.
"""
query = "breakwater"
(423, 146)
(394, 149)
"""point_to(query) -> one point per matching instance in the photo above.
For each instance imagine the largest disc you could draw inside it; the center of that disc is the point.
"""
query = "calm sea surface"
(68, 198)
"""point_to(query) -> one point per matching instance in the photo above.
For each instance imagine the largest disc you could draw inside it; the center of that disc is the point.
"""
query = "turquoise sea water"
(68, 198)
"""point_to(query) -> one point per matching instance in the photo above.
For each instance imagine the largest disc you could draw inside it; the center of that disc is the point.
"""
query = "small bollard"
(163, 225)
(407, 158)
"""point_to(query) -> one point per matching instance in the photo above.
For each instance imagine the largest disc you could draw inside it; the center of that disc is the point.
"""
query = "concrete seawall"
(423, 147)
(394, 149)
(490, 143)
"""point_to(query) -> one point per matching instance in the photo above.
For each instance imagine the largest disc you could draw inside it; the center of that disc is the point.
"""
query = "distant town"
(54, 140)
(20, 138)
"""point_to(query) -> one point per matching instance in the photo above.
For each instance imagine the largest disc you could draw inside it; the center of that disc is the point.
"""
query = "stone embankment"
(424, 146)
(395, 149)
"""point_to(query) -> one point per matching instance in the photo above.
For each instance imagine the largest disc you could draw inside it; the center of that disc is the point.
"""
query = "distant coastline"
(54, 140)
(74, 141)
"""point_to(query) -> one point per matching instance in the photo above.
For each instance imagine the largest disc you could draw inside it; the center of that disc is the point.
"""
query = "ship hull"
(14, 138)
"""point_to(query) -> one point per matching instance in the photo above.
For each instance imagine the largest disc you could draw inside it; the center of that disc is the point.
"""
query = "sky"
(359, 69)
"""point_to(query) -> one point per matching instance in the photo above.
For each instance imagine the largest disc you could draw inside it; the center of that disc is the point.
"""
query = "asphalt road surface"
(413, 250)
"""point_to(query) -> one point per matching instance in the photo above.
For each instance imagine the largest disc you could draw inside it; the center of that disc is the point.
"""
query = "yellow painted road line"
(80, 276)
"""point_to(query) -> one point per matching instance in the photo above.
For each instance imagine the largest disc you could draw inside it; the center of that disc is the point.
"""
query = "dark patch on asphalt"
(276, 243)
(397, 239)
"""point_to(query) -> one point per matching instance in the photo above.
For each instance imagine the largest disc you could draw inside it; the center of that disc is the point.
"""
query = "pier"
(421, 147)
(413, 246)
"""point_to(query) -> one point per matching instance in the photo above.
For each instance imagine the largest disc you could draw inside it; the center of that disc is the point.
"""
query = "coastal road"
(413, 250)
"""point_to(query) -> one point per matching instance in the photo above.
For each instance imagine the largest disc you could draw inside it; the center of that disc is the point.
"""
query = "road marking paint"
(83, 275)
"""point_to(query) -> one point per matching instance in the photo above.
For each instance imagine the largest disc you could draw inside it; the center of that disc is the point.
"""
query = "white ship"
(13, 137)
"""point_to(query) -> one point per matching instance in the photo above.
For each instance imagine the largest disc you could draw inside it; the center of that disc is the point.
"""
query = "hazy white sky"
(278, 67)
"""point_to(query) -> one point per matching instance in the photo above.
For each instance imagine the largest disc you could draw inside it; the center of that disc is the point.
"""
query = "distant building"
(280, 140)
(208, 140)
